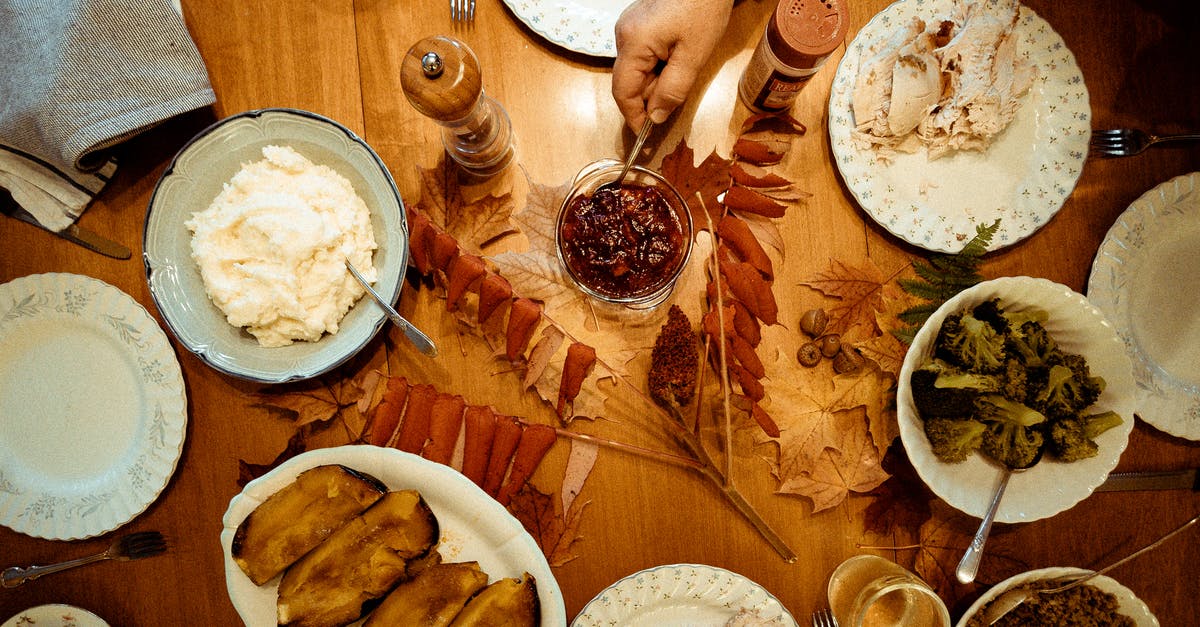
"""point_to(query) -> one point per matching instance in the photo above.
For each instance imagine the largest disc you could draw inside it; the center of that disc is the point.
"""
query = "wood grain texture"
(342, 59)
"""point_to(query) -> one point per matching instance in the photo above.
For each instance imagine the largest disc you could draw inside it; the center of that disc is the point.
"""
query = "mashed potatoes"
(273, 244)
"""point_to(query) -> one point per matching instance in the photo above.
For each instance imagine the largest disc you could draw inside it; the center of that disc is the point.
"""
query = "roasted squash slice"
(358, 563)
(297, 518)
(432, 598)
(508, 602)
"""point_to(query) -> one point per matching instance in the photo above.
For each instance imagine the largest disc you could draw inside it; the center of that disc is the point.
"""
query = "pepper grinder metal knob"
(442, 80)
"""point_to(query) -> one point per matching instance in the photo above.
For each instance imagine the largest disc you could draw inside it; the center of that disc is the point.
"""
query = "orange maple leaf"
(710, 179)
(944, 538)
(312, 403)
(848, 463)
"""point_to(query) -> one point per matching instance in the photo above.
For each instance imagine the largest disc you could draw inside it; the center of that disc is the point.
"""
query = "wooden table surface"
(341, 59)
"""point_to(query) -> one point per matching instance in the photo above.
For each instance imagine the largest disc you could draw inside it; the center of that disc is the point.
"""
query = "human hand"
(681, 33)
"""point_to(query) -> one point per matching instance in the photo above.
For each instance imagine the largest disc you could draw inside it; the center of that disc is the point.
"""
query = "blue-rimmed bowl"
(194, 178)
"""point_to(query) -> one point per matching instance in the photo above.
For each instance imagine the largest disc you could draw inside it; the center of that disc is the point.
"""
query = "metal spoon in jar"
(1009, 601)
(414, 335)
(633, 154)
(969, 565)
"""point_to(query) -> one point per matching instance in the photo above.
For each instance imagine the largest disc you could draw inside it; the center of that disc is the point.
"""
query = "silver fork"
(824, 618)
(1125, 142)
(462, 10)
(129, 547)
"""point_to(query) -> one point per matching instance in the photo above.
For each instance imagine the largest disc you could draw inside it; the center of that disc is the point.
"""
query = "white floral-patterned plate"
(1146, 279)
(584, 26)
(93, 406)
(694, 595)
(55, 615)
(1022, 179)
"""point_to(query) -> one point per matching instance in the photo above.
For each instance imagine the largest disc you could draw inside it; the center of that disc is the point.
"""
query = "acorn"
(847, 360)
(809, 354)
(830, 344)
(813, 322)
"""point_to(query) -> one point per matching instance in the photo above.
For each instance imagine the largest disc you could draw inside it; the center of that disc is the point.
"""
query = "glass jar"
(623, 246)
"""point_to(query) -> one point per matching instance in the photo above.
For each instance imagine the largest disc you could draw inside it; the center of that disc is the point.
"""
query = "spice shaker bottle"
(800, 35)
(442, 80)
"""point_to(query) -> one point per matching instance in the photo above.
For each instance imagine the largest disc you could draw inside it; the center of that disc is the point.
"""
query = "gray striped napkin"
(78, 77)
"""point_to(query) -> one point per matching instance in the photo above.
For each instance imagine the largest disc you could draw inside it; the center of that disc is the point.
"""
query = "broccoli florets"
(954, 440)
(1031, 343)
(1003, 371)
(1014, 431)
(1066, 388)
(1073, 439)
(970, 343)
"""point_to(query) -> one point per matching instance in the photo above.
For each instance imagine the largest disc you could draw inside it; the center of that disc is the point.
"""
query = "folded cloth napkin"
(78, 77)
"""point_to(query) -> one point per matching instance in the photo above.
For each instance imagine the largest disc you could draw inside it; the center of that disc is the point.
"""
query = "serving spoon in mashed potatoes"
(414, 335)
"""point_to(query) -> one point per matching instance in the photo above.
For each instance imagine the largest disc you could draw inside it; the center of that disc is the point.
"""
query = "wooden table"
(341, 59)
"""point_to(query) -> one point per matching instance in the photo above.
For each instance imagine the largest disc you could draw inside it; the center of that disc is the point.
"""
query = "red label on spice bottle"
(799, 37)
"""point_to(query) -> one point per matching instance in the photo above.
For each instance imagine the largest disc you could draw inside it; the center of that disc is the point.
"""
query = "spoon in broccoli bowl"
(968, 566)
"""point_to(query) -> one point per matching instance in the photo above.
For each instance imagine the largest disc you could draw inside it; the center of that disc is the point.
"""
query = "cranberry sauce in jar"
(622, 242)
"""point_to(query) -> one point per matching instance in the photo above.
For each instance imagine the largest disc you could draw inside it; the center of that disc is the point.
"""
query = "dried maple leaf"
(538, 218)
(710, 179)
(944, 538)
(851, 465)
(312, 403)
(478, 222)
(858, 290)
(556, 531)
(901, 503)
(248, 472)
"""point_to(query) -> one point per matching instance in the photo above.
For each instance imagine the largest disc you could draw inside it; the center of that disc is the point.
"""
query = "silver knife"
(1165, 480)
(73, 233)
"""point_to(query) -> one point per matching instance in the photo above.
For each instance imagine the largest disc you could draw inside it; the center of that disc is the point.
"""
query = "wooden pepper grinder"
(441, 78)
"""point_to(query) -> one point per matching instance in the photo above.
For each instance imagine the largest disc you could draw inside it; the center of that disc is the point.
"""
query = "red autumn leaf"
(386, 417)
(779, 124)
(443, 250)
(480, 430)
(445, 422)
(749, 287)
(464, 270)
(745, 324)
(764, 420)
(414, 429)
(523, 317)
(494, 290)
(534, 443)
(759, 152)
(735, 233)
(508, 434)
(579, 362)
(745, 199)
(420, 241)
(709, 179)
(745, 355)
(750, 175)
(751, 386)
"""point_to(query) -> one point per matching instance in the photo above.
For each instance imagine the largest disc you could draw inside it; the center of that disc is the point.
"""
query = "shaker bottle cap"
(804, 32)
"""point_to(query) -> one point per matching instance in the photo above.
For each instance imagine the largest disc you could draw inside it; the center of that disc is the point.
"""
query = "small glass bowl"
(587, 182)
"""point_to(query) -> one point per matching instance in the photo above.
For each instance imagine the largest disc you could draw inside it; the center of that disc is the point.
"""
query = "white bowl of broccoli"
(1002, 369)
